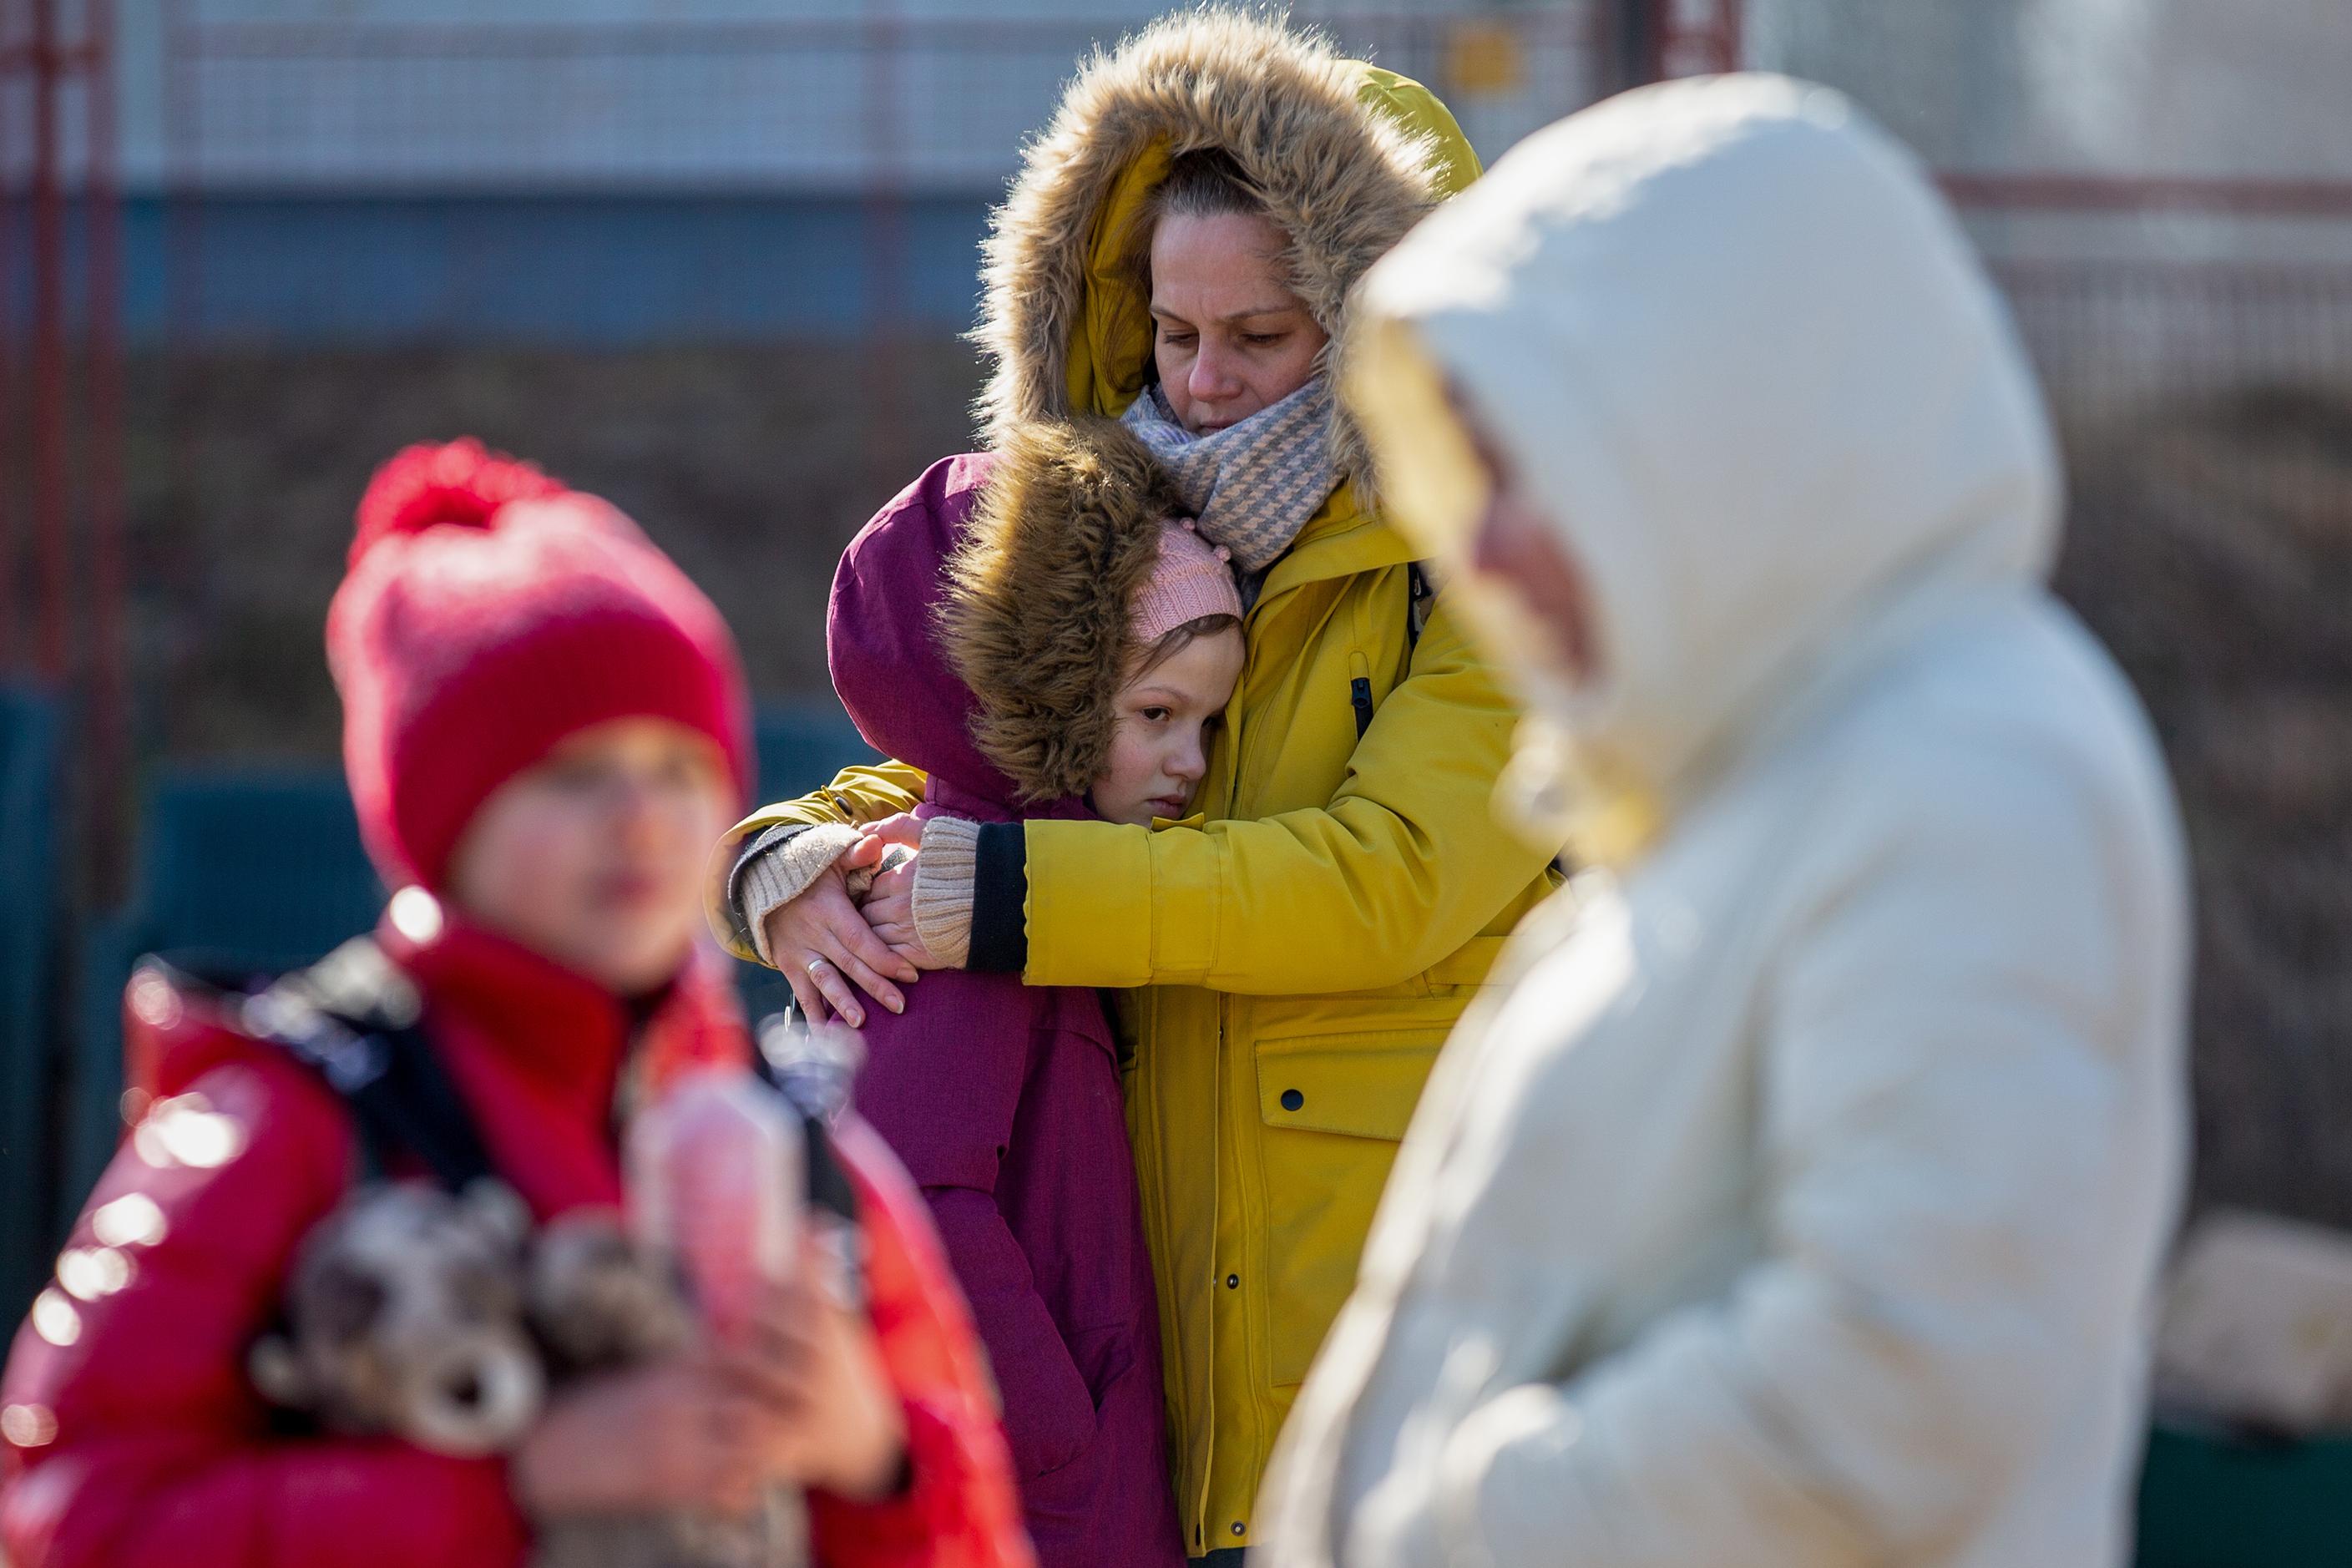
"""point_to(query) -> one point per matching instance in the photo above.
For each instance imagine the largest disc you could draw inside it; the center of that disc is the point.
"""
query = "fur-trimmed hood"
(1346, 156)
(1034, 614)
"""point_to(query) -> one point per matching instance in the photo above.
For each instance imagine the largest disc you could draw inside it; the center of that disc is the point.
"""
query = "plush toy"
(442, 1320)
(405, 1314)
(598, 1300)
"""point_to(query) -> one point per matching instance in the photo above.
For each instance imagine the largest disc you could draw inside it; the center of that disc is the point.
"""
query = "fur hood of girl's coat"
(1346, 159)
(1035, 614)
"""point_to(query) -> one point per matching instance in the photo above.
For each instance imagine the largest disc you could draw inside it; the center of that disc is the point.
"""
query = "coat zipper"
(1359, 669)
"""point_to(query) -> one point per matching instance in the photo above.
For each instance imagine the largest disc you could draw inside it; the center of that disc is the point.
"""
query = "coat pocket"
(1333, 1107)
(1049, 1411)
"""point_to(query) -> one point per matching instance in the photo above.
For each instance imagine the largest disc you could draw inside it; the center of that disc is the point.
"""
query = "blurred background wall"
(712, 257)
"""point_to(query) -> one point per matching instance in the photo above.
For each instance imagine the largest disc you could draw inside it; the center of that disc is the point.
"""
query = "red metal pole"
(1731, 39)
(49, 423)
(886, 251)
(1693, 37)
(102, 455)
(183, 272)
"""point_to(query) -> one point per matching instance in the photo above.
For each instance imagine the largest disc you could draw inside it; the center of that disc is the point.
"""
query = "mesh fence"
(943, 103)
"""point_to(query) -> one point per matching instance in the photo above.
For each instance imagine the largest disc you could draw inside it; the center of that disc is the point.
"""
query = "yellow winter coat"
(1306, 940)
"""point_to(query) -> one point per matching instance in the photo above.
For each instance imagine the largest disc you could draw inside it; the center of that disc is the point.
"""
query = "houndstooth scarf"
(1254, 485)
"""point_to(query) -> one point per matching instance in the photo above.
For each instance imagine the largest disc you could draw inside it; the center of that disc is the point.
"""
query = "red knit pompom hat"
(486, 613)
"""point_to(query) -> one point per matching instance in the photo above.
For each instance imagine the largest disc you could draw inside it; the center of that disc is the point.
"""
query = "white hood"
(1748, 361)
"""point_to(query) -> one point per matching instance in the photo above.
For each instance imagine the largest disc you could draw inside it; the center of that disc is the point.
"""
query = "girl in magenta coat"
(1034, 631)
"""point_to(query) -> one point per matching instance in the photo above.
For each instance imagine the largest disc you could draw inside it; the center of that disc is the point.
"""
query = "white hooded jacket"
(1798, 1200)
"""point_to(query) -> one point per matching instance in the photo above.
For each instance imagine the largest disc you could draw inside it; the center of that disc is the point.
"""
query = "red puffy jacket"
(134, 1436)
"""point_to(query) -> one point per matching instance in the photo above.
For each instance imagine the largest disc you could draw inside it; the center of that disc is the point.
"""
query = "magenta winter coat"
(1004, 1100)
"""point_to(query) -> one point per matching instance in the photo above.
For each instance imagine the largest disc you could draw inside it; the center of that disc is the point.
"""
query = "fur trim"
(1034, 616)
(1342, 179)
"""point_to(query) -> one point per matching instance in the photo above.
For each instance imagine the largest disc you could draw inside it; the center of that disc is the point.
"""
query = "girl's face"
(1228, 335)
(1160, 749)
(594, 857)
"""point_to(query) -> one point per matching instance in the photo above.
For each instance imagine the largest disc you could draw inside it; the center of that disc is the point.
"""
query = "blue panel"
(264, 867)
(580, 270)
(801, 747)
(31, 824)
(256, 870)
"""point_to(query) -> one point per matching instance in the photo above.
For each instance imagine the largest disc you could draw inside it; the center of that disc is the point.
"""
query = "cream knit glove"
(944, 870)
(779, 874)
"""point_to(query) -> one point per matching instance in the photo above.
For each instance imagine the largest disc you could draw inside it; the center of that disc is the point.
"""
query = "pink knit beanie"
(1192, 579)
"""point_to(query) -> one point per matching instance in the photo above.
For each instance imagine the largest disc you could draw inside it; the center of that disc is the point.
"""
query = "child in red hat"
(545, 726)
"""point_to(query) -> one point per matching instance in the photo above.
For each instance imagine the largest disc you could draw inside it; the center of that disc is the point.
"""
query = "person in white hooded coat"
(1799, 1197)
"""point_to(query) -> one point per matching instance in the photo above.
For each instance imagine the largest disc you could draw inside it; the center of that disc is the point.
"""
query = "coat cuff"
(778, 867)
(999, 900)
(943, 889)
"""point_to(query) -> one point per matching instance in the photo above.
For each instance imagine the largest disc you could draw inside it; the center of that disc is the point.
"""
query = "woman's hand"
(830, 1416)
(824, 948)
(889, 905)
(684, 1434)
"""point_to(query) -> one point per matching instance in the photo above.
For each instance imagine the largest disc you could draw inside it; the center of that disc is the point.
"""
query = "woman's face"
(1515, 546)
(1228, 335)
(594, 857)
(1158, 751)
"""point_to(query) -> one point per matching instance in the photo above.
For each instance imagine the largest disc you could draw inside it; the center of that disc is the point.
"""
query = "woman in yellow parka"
(1304, 939)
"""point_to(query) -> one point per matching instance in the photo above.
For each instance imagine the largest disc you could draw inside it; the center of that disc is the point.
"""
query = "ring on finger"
(817, 966)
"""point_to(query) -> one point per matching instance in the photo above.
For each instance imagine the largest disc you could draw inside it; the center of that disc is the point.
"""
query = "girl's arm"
(856, 795)
(777, 896)
(150, 1447)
